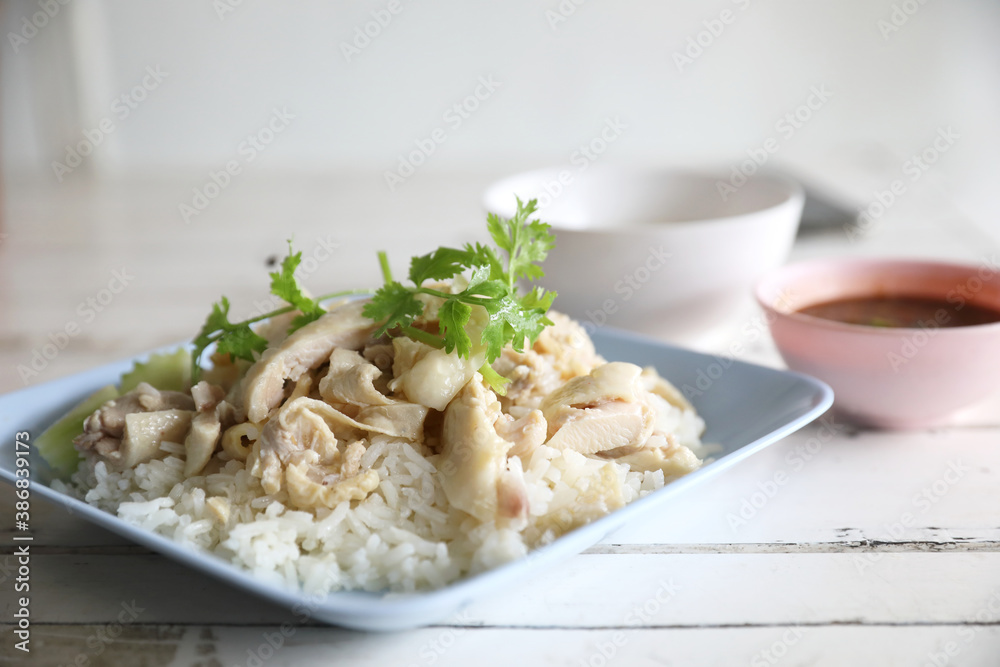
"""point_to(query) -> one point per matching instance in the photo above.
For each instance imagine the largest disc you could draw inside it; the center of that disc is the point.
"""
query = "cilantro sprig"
(521, 244)
(238, 339)
(493, 275)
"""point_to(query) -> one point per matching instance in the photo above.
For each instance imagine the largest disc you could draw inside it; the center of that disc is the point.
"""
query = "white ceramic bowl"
(662, 251)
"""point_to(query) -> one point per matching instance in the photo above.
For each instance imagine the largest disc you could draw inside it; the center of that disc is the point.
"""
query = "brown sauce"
(903, 311)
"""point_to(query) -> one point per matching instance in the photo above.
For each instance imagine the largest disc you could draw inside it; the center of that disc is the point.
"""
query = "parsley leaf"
(538, 299)
(236, 340)
(483, 255)
(217, 320)
(286, 286)
(526, 243)
(510, 322)
(453, 316)
(239, 340)
(441, 264)
(394, 306)
(512, 319)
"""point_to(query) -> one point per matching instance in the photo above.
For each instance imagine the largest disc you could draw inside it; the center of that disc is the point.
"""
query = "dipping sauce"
(903, 311)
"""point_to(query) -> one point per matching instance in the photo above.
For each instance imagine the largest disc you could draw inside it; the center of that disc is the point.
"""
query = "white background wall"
(226, 71)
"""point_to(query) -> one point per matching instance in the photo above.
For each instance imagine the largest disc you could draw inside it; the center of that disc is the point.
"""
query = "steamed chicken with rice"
(348, 456)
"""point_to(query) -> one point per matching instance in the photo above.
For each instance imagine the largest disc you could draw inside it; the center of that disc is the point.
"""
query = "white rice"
(403, 537)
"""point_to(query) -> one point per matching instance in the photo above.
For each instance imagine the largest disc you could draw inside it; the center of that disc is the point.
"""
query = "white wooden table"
(876, 548)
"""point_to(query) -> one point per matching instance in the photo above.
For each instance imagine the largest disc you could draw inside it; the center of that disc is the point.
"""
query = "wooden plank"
(925, 486)
(587, 591)
(212, 646)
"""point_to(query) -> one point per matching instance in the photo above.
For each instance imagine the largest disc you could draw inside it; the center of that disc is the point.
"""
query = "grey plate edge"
(369, 611)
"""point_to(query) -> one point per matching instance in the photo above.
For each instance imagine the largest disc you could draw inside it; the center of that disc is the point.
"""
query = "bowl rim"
(793, 195)
(770, 283)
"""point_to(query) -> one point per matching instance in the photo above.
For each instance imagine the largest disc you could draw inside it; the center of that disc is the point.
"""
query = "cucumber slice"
(168, 372)
(55, 445)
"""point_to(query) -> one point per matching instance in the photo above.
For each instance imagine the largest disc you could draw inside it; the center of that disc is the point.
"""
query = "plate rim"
(393, 611)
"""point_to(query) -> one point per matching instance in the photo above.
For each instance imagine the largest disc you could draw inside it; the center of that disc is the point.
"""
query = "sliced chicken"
(206, 396)
(606, 409)
(306, 426)
(474, 457)
(428, 376)
(524, 434)
(663, 454)
(512, 496)
(299, 426)
(300, 420)
(380, 354)
(304, 350)
(617, 381)
(351, 380)
(401, 420)
(304, 492)
(200, 442)
(606, 426)
(104, 431)
(206, 427)
(144, 431)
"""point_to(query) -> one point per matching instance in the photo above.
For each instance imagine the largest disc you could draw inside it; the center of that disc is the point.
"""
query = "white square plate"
(746, 408)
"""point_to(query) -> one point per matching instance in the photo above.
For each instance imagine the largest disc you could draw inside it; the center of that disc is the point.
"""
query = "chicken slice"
(432, 377)
(615, 381)
(351, 380)
(380, 354)
(607, 426)
(474, 458)
(201, 441)
(401, 420)
(429, 376)
(104, 431)
(206, 396)
(606, 409)
(297, 427)
(306, 425)
(206, 427)
(302, 351)
(524, 434)
(660, 453)
(307, 493)
(144, 431)
(512, 496)
(299, 421)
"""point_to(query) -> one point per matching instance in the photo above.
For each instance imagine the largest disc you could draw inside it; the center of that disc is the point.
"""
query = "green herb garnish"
(238, 340)
(512, 319)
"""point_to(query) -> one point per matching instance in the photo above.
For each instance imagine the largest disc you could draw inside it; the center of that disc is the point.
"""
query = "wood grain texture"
(218, 646)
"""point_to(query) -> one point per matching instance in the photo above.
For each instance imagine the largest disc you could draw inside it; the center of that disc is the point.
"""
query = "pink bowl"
(895, 378)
